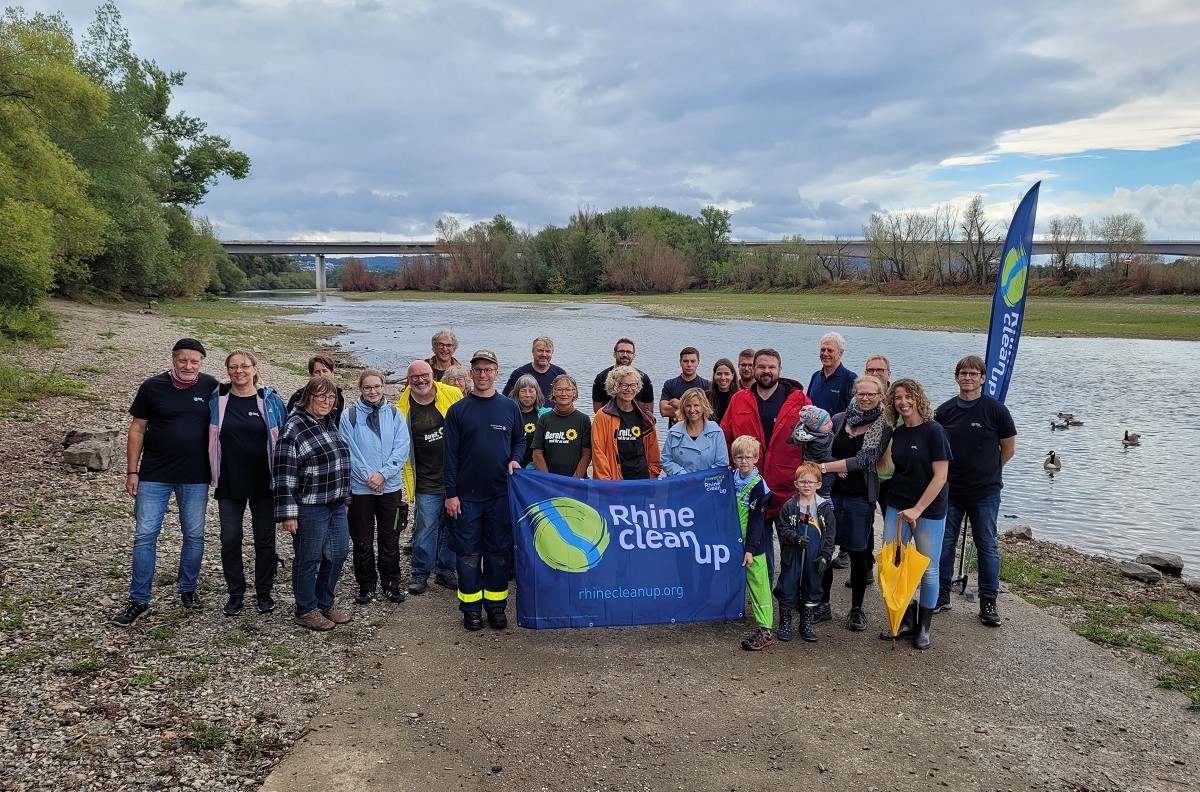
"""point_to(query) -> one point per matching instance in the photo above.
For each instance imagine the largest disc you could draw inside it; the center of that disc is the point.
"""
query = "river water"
(1107, 499)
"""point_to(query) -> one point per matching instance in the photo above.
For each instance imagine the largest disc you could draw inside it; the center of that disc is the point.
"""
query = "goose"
(1073, 422)
(1053, 463)
(1066, 416)
(1131, 439)
(1063, 425)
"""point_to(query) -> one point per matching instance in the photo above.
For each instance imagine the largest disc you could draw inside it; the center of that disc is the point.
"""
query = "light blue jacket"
(384, 453)
(682, 454)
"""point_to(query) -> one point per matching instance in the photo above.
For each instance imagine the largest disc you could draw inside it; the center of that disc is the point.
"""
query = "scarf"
(181, 384)
(856, 417)
(373, 416)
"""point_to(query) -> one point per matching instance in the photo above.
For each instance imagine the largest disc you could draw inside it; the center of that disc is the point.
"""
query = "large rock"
(89, 433)
(1019, 532)
(1142, 572)
(1167, 563)
(92, 454)
(1193, 585)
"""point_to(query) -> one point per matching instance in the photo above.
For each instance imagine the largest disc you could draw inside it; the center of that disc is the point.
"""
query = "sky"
(373, 119)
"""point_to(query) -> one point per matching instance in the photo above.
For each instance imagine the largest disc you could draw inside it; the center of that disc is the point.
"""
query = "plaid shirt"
(312, 465)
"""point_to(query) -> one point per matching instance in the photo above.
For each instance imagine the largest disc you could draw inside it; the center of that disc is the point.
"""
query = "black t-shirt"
(675, 387)
(562, 439)
(854, 484)
(529, 422)
(426, 424)
(630, 449)
(914, 450)
(245, 471)
(545, 380)
(645, 395)
(175, 449)
(975, 429)
(768, 409)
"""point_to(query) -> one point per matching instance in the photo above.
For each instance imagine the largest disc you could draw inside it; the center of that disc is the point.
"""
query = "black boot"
(907, 625)
(784, 633)
(807, 620)
(924, 620)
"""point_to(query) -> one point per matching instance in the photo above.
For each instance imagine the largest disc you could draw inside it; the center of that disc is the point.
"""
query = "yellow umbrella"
(900, 567)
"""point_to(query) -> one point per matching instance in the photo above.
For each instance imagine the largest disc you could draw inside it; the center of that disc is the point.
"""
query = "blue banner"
(1008, 303)
(607, 553)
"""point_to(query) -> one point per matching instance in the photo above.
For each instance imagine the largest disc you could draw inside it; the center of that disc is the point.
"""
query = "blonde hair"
(698, 395)
(745, 445)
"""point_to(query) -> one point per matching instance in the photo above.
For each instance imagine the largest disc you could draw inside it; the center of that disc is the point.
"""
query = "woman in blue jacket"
(377, 435)
(244, 422)
(697, 442)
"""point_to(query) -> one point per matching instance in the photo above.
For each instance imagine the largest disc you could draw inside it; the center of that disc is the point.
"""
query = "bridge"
(853, 248)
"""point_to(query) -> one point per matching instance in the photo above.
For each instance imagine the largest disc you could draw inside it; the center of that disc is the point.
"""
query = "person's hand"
(453, 507)
(376, 481)
(131, 484)
(291, 525)
(911, 515)
(748, 559)
(513, 466)
(802, 542)
(822, 564)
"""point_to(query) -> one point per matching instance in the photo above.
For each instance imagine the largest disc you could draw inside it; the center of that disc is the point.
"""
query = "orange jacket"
(605, 464)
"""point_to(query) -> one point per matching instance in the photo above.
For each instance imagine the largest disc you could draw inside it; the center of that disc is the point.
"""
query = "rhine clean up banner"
(609, 553)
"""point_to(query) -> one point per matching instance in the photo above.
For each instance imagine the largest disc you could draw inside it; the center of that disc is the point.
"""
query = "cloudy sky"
(371, 119)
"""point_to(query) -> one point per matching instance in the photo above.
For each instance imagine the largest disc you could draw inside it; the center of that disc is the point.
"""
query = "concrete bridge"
(853, 248)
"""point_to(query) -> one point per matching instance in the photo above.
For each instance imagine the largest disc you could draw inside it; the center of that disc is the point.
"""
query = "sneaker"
(943, 602)
(265, 603)
(418, 585)
(857, 620)
(336, 616)
(314, 621)
(988, 613)
(824, 613)
(497, 620)
(233, 606)
(446, 581)
(191, 599)
(130, 613)
(396, 596)
(364, 597)
(473, 621)
(758, 640)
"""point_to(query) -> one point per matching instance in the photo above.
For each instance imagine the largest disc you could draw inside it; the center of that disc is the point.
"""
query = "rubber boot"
(924, 620)
(784, 633)
(907, 625)
(807, 620)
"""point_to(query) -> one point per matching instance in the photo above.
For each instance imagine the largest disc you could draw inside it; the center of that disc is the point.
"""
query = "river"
(1107, 499)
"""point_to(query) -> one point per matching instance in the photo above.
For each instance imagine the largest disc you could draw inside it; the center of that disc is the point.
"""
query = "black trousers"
(379, 518)
(232, 512)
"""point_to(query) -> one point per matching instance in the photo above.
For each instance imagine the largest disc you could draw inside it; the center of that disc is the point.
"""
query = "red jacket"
(779, 458)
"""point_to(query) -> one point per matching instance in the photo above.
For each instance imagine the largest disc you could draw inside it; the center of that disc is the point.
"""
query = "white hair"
(837, 340)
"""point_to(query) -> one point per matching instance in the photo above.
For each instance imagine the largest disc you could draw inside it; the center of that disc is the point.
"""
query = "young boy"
(814, 431)
(752, 494)
(807, 534)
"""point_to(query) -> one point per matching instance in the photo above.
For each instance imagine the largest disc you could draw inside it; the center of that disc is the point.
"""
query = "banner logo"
(568, 535)
(1012, 277)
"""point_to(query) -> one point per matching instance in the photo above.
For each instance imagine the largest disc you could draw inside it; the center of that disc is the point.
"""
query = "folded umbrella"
(899, 567)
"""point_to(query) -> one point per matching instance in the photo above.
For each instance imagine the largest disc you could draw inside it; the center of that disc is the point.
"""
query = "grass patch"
(163, 633)
(145, 679)
(28, 325)
(264, 670)
(1169, 612)
(205, 737)
(19, 385)
(280, 652)
(19, 659)
(1102, 634)
(255, 746)
(89, 665)
(1027, 574)
(191, 681)
(235, 639)
(342, 636)
(12, 612)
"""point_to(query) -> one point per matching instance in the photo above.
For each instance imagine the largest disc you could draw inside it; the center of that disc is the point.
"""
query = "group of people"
(810, 466)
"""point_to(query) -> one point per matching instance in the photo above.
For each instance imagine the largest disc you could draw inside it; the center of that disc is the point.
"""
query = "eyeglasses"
(443, 345)
(877, 371)
(629, 386)
(459, 380)
(243, 367)
(564, 390)
(744, 458)
(869, 395)
(366, 388)
(490, 371)
(325, 397)
(971, 374)
(806, 483)
(419, 377)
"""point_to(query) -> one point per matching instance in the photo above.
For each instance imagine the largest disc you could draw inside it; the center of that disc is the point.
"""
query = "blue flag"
(604, 553)
(1008, 303)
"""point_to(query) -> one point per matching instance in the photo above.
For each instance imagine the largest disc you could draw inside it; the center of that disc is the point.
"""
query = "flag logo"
(568, 535)
(1012, 276)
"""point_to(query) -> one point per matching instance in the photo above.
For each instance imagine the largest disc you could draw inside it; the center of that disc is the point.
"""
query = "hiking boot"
(191, 600)
(132, 611)
(395, 597)
(473, 621)
(943, 602)
(784, 633)
(266, 603)
(907, 625)
(758, 640)
(824, 613)
(446, 581)
(924, 620)
(842, 561)
(418, 585)
(336, 616)
(364, 597)
(233, 606)
(857, 620)
(807, 620)
(314, 621)
(988, 613)
(497, 620)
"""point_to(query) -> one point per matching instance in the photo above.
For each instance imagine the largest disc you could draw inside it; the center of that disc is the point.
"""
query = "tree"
(980, 245)
(715, 250)
(1066, 235)
(838, 263)
(1122, 235)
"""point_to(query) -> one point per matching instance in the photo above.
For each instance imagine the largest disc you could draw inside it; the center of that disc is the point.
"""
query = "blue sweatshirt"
(481, 436)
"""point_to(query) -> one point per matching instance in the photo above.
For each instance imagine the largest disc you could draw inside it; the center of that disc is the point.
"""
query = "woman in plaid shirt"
(312, 486)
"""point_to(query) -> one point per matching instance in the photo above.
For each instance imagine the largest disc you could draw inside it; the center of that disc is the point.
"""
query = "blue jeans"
(431, 547)
(982, 513)
(321, 544)
(928, 535)
(149, 508)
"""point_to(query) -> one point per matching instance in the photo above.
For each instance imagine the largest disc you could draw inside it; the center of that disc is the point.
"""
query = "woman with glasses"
(624, 439)
(459, 377)
(312, 485)
(860, 436)
(697, 442)
(321, 366)
(528, 395)
(244, 422)
(562, 443)
(377, 436)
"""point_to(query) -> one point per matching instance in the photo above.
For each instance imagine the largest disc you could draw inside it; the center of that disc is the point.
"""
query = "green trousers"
(758, 580)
